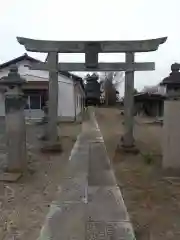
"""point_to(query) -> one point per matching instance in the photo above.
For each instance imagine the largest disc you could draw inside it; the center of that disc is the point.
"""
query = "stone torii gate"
(91, 50)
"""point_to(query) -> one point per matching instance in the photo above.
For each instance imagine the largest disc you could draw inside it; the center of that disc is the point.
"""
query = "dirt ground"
(24, 205)
(151, 195)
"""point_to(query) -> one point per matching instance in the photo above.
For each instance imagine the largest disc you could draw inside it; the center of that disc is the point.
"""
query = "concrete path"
(89, 205)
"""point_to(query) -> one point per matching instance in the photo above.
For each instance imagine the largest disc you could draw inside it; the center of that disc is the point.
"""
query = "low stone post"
(44, 136)
(15, 126)
(45, 110)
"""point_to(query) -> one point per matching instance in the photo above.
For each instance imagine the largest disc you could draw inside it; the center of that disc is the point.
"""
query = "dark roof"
(173, 78)
(148, 96)
(27, 57)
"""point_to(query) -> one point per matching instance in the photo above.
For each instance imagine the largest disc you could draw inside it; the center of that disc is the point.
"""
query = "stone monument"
(15, 126)
(171, 129)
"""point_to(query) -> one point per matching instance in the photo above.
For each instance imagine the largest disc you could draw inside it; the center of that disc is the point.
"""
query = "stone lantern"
(15, 126)
(172, 82)
(171, 129)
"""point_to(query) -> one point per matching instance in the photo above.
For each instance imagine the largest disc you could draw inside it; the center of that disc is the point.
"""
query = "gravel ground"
(24, 205)
(151, 195)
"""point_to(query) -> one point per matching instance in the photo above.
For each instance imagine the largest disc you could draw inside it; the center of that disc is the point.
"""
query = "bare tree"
(110, 82)
(109, 88)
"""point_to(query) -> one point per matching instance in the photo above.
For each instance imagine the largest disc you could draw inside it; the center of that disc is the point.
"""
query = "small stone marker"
(44, 136)
(15, 126)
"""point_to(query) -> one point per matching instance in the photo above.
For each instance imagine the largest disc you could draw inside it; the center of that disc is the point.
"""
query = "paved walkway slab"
(65, 221)
(109, 231)
(106, 204)
(89, 204)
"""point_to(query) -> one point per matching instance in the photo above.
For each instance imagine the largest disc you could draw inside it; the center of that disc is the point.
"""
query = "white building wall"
(66, 105)
(66, 100)
(79, 95)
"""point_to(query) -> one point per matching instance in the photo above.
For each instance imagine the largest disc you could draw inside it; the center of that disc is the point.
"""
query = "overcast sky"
(95, 20)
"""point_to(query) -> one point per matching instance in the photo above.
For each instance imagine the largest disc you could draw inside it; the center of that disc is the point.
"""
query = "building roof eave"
(25, 56)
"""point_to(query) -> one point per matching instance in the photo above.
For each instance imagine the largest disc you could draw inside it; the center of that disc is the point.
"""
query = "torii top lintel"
(34, 45)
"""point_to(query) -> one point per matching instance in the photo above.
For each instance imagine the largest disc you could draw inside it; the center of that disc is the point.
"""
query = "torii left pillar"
(52, 139)
(53, 98)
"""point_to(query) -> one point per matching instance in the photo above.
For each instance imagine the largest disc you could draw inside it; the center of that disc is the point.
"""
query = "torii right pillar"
(128, 139)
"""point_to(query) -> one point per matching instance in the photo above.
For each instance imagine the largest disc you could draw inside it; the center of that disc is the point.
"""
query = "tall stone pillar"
(171, 133)
(171, 129)
(128, 139)
(15, 126)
